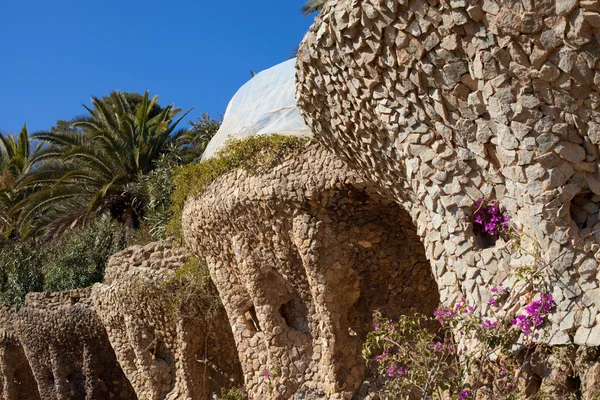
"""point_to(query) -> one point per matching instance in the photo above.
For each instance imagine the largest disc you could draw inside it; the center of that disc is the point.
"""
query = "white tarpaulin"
(265, 105)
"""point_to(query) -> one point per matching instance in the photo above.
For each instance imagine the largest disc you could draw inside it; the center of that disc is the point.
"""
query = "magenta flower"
(396, 370)
(438, 347)
(493, 302)
(535, 314)
(488, 218)
(446, 314)
(488, 324)
(464, 394)
(391, 370)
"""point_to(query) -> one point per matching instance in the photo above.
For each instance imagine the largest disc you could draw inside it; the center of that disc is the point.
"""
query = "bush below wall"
(76, 260)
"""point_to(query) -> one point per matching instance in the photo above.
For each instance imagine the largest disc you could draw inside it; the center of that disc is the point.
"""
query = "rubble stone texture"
(16, 377)
(423, 107)
(302, 255)
(160, 331)
(441, 102)
(139, 335)
(55, 347)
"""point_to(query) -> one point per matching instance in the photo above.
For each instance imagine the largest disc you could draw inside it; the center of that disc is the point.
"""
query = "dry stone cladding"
(441, 102)
(125, 339)
(55, 347)
(16, 378)
(166, 347)
(423, 107)
(301, 256)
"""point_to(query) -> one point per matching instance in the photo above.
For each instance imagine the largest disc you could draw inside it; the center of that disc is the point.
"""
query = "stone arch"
(16, 378)
(177, 345)
(314, 252)
(441, 103)
(68, 348)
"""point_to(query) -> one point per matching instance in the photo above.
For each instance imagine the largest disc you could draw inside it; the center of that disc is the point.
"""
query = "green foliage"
(95, 166)
(192, 143)
(16, 160)
(158, 187)
(78, 259)
(312, 6)
(254, 154)
(74, 261)
(20, 270)
(233, 394)
(94, 184)
(158, 183)
(192, 293)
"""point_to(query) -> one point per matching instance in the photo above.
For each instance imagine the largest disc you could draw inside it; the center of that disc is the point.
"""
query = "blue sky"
(54, 55)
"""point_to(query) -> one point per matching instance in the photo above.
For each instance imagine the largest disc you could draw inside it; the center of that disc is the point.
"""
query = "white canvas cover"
(264, 105)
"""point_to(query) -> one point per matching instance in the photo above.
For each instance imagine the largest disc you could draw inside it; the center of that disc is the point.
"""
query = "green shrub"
(192, 293)
(20, 271)
(75, 260)
(158, 186)
(254, 154)
(78, 259)
(233, 394)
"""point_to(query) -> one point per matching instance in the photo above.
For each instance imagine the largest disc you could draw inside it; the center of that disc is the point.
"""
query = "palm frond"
(312, 6)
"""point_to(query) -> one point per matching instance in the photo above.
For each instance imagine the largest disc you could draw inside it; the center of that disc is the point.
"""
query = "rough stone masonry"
(129, 338)
(419, 109)
(439, 103)
(302, 255)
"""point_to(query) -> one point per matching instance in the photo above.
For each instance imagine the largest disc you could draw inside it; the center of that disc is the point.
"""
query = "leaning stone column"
(301, 255)
(16, 378)
(440, 103)
(172, 340)
(66, 349)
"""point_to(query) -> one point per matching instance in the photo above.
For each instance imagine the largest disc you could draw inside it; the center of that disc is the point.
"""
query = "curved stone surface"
(172, 342)
(440, 103)
(265, 105)
(55, 347)
(16, 378)
(302, 255)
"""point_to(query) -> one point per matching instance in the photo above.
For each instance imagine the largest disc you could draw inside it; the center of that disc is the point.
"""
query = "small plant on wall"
(489, 222)
(414, 361)
(469, 351)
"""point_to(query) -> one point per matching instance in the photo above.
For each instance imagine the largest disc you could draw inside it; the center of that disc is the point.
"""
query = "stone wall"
(55, 347)
(440, 103)
(172, 342)
(142, 334)
(423, 107)
(302, 255)
(16, 377)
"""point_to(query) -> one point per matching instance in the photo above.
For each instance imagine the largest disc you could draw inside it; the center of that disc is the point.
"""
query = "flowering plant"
(420, 356)
(488, 218)
(535, 313)
(411, 359)
(414, 358)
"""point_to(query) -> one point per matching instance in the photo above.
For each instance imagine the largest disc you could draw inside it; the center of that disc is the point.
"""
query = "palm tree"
(312, 6)
(95, 167)
(16, 160)
(192, 143)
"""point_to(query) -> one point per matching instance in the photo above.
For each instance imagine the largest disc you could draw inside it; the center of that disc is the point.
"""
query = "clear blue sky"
(54, 55)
